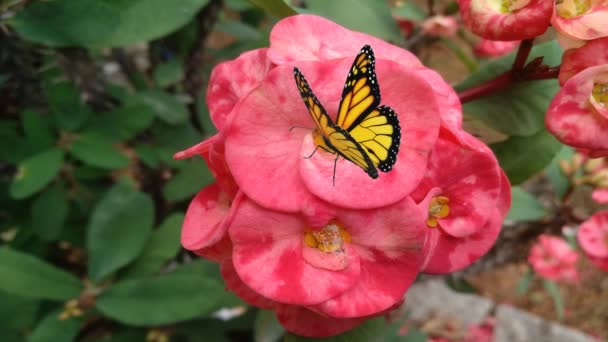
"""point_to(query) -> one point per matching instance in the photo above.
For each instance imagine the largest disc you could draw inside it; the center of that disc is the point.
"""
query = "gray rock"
(433, 298)
(514, 325)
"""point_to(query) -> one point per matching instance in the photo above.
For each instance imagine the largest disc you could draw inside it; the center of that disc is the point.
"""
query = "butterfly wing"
(379, 134)
(361, 92)
(334, 139)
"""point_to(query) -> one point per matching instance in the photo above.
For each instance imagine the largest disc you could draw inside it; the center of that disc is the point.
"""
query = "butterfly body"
(364, 133)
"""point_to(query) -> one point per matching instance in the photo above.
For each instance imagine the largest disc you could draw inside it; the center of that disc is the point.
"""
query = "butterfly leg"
(313, 152)
(334, 177)
(307, 128)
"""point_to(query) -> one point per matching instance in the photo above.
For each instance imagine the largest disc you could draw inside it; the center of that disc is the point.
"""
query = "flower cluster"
(578, 115)
(326, 255)
(593, 238)
(552, 258)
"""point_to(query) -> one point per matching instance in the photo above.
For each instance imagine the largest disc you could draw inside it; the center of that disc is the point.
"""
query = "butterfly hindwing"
(361, 92)
(379, 134)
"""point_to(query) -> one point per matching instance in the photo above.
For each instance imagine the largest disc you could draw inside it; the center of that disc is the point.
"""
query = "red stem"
(523, 51)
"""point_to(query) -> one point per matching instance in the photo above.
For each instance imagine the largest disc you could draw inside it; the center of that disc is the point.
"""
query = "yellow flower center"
(572, 8)
(329, 239)
(509, 6)
(600, 94)
(438, 209)
(71, 309)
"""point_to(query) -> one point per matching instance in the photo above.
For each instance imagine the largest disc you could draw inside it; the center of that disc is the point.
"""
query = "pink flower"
(440, 26)
(507, 20)
(552, 258)
(466, 196)
(593, 238)
(578, 115)
(600, 196)
(582, 20)
(494, 48)
(483, 332)
(593, 53)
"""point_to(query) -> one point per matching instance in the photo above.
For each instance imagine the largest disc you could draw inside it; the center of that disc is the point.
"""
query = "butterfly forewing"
(361, 92)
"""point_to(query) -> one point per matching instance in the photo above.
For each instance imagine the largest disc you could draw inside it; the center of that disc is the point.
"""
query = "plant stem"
(523, 51)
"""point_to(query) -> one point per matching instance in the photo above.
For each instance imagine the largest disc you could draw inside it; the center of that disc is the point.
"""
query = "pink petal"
(207, 218)
(440, 26)
(600, 196)
(236, 285)
(593, 53)
(485, 18)
(601, 263)
(593, 235)
(389, 242)
(451, 108)
(494, 48)
(404, 91)
(230, 81)
(573, 119)
(268, 258)
(446, 254)
(218, 252)
(470, 179)
(304, 322)
(305, 38)
(587, 26)
(552, 258)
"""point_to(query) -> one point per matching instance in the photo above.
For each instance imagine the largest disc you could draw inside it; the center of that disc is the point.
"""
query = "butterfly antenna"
(313, 152)
(308, 128)
(334, 178)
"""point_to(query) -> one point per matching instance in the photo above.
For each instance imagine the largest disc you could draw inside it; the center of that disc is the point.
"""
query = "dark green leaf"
(28, 276)
(118, 229)
(102, 22)
(10, 336)
(203, 117)
(122, 123)
(37, 129)
(168, 73)
(17, 313)
(164, 105)
(188, 181)
(518, 109)
(267, 328)
(558, 301)
(86, 172)
(67, 108)
(97, 151)
(554, 173)
(459, 284)
(238, 30)
(159, 300)
(524, 283)
(278, 8)
(522, 157)
(49, 212)
(369, 16)
(368, 331)
(162, 246)
(524, 206)
(51, 328)
(35, 172)
(147, 155)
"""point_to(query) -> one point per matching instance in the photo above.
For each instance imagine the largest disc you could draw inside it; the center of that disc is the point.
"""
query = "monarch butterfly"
(364, 133)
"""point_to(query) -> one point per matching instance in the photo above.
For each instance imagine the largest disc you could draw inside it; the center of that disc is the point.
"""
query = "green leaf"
(204, 118)
(10, 336)
(238, 30)
(159, 300)
(102, 23)
(278, 8)
(524, 206)
(518, 109)
(188, 181)
(524, 283)
(164, 105)
(118, 230)
(168, 73)
(554, 173)
(558, 301)
(37, 129)
(459, 284)
(371, 330)
(67, 108)
(98, 151)
(410, 11)
(49, 212)
(51, 328)
(147, 155)
(267, 328)
(163, 245)
(35, 172)
(522, 157)
(369, 16)
(28, 276)
(122, 123)
(17, 313)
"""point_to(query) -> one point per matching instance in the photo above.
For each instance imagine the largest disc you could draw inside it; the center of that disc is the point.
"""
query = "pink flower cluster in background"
(552, 258)
(326, 257)
(578, 115)
(593, 239)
